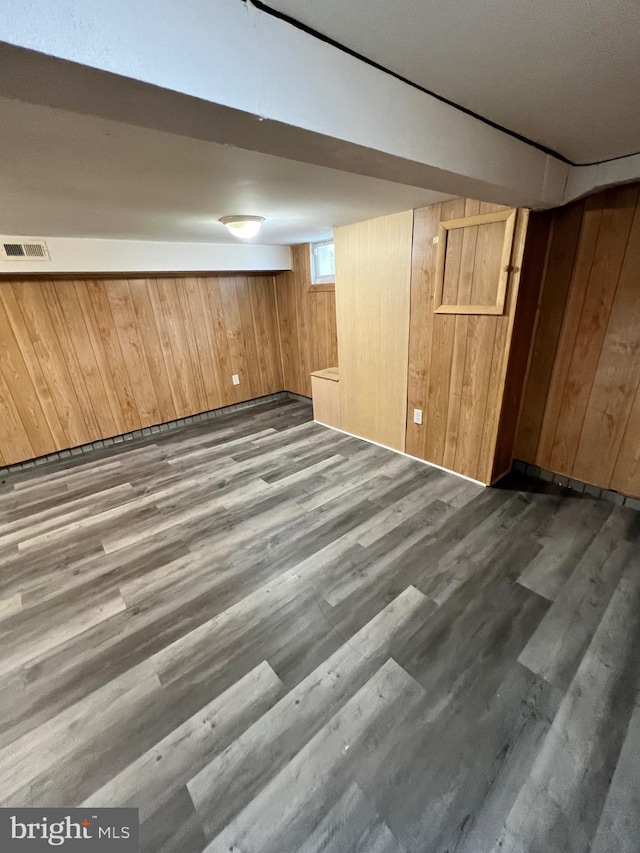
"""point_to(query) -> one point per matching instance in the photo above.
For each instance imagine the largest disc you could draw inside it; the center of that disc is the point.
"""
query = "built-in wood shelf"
(326, 396)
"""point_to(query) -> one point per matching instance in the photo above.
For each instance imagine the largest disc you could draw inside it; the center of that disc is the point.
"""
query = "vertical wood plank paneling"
(198, 320)
(189, 337)
(46, 347)
(265, 326)
(278, 328)
(584, 367)
(156, 361)
(175, 384)
(480, 349)
(14, 435)
(503, 397)
(617, 375)
(534, 264)
(291, 356)
(598, 301)
(373, 275)
(100, 353)
(253, 378)
(589, 230)
(307, 324)
(17, 352)
(115, 363)
(232, 324)
(78, 356)
(133, 351)
(176, 339)
(496, 340)
(626, 474)
(443, 340)
(461, 332)
(457, 362)
(220, 340)
(304, 311)
(559, 246)
(216, 333)
(257, 308)
(484, 283)
(423, 266)
(94, 358)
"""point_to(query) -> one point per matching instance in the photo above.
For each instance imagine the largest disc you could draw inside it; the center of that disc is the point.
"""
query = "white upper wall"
(69, 255)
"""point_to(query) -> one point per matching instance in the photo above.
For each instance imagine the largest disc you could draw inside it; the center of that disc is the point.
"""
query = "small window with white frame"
(323, 263)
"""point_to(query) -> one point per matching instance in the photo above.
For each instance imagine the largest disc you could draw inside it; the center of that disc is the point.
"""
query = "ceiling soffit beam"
(226, 72)
(223, 71)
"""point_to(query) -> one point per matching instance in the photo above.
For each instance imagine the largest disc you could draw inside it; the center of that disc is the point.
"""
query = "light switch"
(235, 379)
(417, 416)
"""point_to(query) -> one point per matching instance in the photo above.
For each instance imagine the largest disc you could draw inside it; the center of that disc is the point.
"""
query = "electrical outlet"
(417, 416)
(235, 379)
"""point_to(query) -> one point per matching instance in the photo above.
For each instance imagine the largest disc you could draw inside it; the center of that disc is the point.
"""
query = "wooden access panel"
(485, 291)
(373, 271)
(458, 360)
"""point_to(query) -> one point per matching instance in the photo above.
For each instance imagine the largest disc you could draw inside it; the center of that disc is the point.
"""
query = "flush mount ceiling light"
(244, 227)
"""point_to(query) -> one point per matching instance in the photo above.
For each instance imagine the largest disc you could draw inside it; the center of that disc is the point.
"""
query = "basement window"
(323, 263)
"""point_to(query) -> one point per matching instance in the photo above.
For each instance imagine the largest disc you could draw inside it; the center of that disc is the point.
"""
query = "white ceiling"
(68, 175)
(564, 73)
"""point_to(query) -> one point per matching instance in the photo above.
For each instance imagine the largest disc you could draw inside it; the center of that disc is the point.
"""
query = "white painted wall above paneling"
(68, 255)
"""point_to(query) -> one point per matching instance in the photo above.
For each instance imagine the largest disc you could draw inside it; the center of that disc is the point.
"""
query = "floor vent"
(33, 250)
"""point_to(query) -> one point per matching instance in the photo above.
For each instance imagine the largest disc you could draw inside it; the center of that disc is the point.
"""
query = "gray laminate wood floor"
(271, 637)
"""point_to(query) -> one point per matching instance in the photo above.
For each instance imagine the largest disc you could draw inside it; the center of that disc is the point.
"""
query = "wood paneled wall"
(87, 359)
(580, 414)
(373, 270)
(307, 321)
(524, 321)
(457, 363)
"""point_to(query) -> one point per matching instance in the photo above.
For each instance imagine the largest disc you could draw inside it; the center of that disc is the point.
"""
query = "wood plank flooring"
(269, 636)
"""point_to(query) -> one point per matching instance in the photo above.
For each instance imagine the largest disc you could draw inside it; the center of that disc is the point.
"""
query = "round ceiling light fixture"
(244, 227)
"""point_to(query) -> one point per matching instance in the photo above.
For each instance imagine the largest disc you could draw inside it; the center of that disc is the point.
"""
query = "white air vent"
(24, 250)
